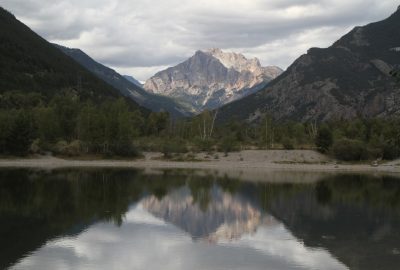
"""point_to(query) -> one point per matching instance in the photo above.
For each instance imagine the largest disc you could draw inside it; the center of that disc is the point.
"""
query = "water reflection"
(125, 219)
(225, 216)
(146, 242)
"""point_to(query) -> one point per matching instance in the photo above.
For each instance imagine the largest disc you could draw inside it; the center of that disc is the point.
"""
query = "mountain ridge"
(126, 87)
(211, 78)
(346, 80)
(30, 64)
(133, 80)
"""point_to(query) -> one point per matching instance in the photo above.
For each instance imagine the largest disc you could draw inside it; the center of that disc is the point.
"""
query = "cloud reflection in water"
(159, 235)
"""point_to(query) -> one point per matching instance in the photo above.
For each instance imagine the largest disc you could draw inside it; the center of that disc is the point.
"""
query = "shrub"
(324, 139)
(73, 148)
(228, 144)
(174, 146)
(350, 150)
(68, 149)
(203, 145)
(35, 147)
(123, 149)
(59, 147)
(287, 143)
(375, 152)
(390, 152)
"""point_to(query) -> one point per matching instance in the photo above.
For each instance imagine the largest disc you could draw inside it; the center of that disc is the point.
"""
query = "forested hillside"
(44, 93)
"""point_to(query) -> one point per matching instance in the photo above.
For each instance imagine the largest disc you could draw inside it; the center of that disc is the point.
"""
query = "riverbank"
(256, 160)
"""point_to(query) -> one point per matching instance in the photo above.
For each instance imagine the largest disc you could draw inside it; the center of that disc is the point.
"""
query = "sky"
(142, 37)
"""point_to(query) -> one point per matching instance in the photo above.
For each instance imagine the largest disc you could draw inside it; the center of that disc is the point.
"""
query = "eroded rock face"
(349, 79)
(212, 78)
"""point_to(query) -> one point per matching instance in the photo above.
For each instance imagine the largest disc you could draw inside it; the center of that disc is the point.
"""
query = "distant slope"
(126, 87)
(212, 78)
(349, 79)
(28, 63)
(133, 80)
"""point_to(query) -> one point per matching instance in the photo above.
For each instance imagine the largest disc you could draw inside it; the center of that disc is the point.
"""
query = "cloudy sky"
(141, 37)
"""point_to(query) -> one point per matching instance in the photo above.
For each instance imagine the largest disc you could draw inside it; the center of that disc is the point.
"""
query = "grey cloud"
(145, 59)
(142, 33)
(228, 31)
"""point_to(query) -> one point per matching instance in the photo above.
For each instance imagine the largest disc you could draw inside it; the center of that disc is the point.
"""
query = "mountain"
(126, 87)
(348, 79)
(29, 64)
(225, 217)
(133, 80)
(212, 78)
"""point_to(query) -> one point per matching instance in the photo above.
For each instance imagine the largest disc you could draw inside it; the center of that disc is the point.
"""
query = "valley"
(202, 135)
(340, 101)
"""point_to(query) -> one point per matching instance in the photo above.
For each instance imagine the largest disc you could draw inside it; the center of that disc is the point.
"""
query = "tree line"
(67, 126)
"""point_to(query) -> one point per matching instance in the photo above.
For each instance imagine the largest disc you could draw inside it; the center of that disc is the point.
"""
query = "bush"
(324, 139)
(228, 144)
(123, 149)
(35, 147)
(203, 145)
(350, 150)
(287, 143)
(73, 148)
(174, 146)
(390, 152)
(60, 147)
(375, 152)
(68, 149)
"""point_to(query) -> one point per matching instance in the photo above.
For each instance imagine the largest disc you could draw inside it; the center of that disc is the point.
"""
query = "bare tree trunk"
(212, 124)
(201, 134)
(272, 138)
(313, 130)
(266, 133)
(204, 128)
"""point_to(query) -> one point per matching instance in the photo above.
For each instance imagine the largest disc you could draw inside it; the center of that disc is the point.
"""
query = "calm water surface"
(128, 219)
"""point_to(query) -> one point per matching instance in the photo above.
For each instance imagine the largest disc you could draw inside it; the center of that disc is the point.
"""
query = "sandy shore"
(252, 160)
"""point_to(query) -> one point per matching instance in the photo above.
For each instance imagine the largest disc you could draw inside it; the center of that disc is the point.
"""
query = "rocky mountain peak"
(233, 60)
(212, 78)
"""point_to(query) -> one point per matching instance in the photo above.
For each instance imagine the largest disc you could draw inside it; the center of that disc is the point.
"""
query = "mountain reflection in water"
(226, 216)
(125, 219)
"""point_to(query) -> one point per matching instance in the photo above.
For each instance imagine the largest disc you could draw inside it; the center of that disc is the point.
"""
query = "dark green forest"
(66, 126)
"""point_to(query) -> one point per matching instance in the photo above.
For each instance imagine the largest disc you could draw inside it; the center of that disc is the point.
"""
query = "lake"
(183, 219)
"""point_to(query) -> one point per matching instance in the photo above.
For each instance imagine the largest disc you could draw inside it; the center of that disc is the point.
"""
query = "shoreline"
(252, 160)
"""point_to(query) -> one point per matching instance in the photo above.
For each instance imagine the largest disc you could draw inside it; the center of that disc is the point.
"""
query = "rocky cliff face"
(212, 78)
(349, 79)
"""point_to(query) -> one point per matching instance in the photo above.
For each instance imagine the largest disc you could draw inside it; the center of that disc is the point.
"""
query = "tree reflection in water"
(355, 217)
